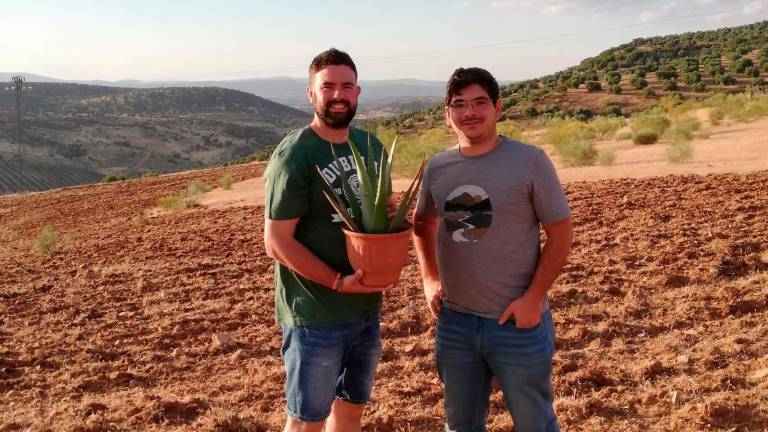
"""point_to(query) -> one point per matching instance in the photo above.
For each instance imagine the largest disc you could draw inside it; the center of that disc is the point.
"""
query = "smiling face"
(472, 114)
(333, 92)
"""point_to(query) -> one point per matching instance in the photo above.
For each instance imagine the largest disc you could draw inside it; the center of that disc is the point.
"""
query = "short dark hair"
(463, 78)
(331, 57)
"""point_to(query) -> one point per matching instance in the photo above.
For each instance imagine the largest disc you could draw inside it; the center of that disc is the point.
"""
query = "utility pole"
(18, 86)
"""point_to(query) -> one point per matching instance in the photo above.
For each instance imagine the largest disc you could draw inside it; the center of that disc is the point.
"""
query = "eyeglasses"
(479, 104)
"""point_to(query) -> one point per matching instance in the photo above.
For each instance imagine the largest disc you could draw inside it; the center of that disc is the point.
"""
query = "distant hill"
(378, 95)
(634, 75)
(89, 131)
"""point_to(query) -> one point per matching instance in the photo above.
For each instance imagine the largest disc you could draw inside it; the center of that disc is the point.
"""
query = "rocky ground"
(167, 322)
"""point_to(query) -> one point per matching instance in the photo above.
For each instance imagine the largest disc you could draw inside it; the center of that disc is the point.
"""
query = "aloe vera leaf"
(354, 204)
(380, 208)
(366, 189)
(342, 212)
(338, 200)
(405, 204)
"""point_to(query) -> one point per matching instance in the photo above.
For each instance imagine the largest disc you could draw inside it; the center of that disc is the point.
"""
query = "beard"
(337, 120)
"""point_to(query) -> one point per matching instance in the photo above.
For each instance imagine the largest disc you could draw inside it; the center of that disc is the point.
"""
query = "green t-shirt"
(294, 189)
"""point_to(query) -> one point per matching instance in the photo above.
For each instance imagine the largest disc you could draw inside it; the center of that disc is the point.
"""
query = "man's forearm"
(301, 260)
(553, 258)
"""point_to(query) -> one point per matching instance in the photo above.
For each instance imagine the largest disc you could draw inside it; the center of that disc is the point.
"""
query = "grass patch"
(602, 127)
(606, 157)
(645, 137)
(226, 182)
(511, 129)
(412, 148)
(572, 140)
(112, 179)
(654, 119)
(140, 220)
(46, 242)
(683, 129)
(149, 174)
(623, 135)
(173, 202)
(196, 187)
(679, 151)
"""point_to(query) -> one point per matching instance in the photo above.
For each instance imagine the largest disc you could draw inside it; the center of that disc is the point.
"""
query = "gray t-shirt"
(490, 207)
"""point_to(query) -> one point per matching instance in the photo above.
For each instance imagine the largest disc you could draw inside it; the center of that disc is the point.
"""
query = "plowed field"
(661, 315)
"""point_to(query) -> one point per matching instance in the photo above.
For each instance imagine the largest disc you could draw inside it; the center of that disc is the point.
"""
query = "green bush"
(679, 151)
(716, 116)
(645, 136)
(683, 129)
(225, 182)
(581, 113)
(691, 78)
(699, 87)
(173, 202)
(593, 86)
(648, 92)
(197, 187)
(603, 127)
(606, 157)
(46, 242)
(724, 79)
(668, 85)
(639, 82)
(741, 64)
(613, 78)
(612, 110)
(149, 174)
(667, 72)
(615, 89)
(531, 112)
(578, 152)
(654, 120)
(623, 135)
(112, 179)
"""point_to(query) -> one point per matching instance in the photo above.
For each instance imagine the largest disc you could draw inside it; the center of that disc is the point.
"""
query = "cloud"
(753, 7)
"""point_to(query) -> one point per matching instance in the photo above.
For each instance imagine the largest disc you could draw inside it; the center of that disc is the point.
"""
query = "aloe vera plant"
(370, 214)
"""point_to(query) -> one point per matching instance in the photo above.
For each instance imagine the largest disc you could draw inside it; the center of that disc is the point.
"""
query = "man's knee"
(348, 411)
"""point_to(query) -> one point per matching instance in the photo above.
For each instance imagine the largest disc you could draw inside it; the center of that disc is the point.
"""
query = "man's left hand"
(525, 311)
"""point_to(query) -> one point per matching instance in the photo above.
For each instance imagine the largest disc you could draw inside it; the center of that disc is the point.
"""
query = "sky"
(155, 40)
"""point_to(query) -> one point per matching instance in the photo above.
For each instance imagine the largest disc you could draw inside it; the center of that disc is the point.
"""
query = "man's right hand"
(353, 284)
(433, 291)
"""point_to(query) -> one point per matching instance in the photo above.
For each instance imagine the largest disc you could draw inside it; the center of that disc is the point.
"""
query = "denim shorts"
(323, 363)
(470, 350)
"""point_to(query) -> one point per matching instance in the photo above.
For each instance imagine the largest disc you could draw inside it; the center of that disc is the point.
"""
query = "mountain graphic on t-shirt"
(468, 213)
(467, 202)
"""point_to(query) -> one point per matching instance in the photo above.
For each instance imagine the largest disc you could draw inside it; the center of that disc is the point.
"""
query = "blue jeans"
(470, 350)
(327, 362)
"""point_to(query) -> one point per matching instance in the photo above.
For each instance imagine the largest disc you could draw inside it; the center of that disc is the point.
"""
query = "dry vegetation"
(167, 323)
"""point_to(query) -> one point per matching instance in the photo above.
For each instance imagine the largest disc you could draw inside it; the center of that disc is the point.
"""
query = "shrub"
(623, 135)
(139, 220)
(724, 79)
(668, 85)
(716, 116)
(645, 136)
(603, 127)
(654, 120)
(679, 151)
(606, 157)
(581, 113)
(639, 82)
(699, 87)
(196, 187)
(612, 110)
(593, 86)
(615, 89)
(667, 72)
(691, 78)
(613, 78)
(531, 112)
(578, 152)
(648, 92)
(46, 242)
(175, 202)
(683, 129)
(508, 103)
(740, 65)
(225, 182)
(112, 179)
(149, 174)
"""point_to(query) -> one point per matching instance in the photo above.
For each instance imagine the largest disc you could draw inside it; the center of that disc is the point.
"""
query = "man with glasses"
(485, 276)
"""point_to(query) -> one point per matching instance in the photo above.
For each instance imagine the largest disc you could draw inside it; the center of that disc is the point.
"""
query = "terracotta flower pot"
(380, 256)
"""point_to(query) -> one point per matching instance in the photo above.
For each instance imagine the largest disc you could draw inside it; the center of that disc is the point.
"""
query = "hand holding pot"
(352, 284)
